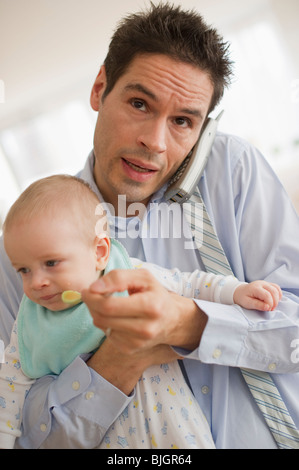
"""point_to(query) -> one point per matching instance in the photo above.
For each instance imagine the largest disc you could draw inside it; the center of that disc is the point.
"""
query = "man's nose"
(153, 136)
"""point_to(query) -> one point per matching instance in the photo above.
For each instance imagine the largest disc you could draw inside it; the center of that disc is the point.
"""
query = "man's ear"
(98, 89)
(102, 251)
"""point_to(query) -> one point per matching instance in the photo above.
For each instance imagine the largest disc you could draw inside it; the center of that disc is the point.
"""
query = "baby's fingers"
(278, 291)
(261, 305)
(258, 295)
(270, 294)
(275, 293)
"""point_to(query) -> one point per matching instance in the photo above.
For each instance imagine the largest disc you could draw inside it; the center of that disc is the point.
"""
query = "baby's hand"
(258, 295)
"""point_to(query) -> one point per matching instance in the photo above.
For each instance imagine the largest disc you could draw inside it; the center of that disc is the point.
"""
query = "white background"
(50, 54)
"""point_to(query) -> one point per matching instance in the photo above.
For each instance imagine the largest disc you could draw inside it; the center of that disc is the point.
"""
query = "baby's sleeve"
(195, 285)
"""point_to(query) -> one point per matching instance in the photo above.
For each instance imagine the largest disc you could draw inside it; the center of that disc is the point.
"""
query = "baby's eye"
(23, 270)
(51, 263)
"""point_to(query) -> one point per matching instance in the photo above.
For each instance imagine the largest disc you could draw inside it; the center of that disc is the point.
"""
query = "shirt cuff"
(78, 391)
(84, 391)
(220, 344)
(100, 395)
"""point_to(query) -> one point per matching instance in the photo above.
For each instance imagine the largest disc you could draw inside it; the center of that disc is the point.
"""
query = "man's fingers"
(120, 280)
(135, 314)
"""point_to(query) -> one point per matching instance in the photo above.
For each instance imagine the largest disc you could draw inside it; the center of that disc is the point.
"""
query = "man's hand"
(124, 370)
(149, 316)
(143, 325)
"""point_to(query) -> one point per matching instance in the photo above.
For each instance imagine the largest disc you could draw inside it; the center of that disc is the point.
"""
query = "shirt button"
(75, 385)
(43, 427)
(217, 353)
(205, 389)
(272, 366)
(89, 395)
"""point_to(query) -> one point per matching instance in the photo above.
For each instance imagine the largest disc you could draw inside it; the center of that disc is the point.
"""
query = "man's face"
(147, 125)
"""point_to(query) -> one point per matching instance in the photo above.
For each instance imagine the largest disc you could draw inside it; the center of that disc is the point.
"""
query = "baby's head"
(51, 240)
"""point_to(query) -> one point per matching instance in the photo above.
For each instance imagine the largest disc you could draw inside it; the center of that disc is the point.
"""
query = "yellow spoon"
(71, 297)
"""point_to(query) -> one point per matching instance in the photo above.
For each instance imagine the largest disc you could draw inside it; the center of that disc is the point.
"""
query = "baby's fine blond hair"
(59, 196)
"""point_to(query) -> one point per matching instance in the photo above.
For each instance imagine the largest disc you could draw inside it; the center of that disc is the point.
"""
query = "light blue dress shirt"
(259, 230)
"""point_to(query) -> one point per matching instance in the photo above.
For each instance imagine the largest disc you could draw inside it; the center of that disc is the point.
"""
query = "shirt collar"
(87, 175)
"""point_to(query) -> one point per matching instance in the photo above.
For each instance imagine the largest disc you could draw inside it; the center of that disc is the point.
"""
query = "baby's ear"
(102, 251)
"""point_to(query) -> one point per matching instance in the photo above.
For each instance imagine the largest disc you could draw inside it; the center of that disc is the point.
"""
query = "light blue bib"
(49, 341)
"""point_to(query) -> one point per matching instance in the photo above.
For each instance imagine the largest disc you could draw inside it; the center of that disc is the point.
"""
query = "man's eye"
(183, 122)
(138, 104)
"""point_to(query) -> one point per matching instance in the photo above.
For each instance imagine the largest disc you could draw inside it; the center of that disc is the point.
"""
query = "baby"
(49, 236)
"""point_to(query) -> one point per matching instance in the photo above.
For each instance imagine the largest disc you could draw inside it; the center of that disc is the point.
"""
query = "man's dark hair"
(181, 35)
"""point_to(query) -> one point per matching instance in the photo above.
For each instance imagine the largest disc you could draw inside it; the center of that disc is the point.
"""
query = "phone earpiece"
(184, 181)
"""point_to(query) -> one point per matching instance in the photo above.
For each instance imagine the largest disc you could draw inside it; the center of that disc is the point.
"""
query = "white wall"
(51, 51)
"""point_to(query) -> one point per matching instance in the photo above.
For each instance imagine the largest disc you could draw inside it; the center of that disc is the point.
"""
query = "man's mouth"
(138, 172)
(139, 168)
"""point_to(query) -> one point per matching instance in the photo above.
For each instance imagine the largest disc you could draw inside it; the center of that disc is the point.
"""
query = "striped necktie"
(260, 383)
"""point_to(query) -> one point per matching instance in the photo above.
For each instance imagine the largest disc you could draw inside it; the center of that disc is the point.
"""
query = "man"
(164, 73)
